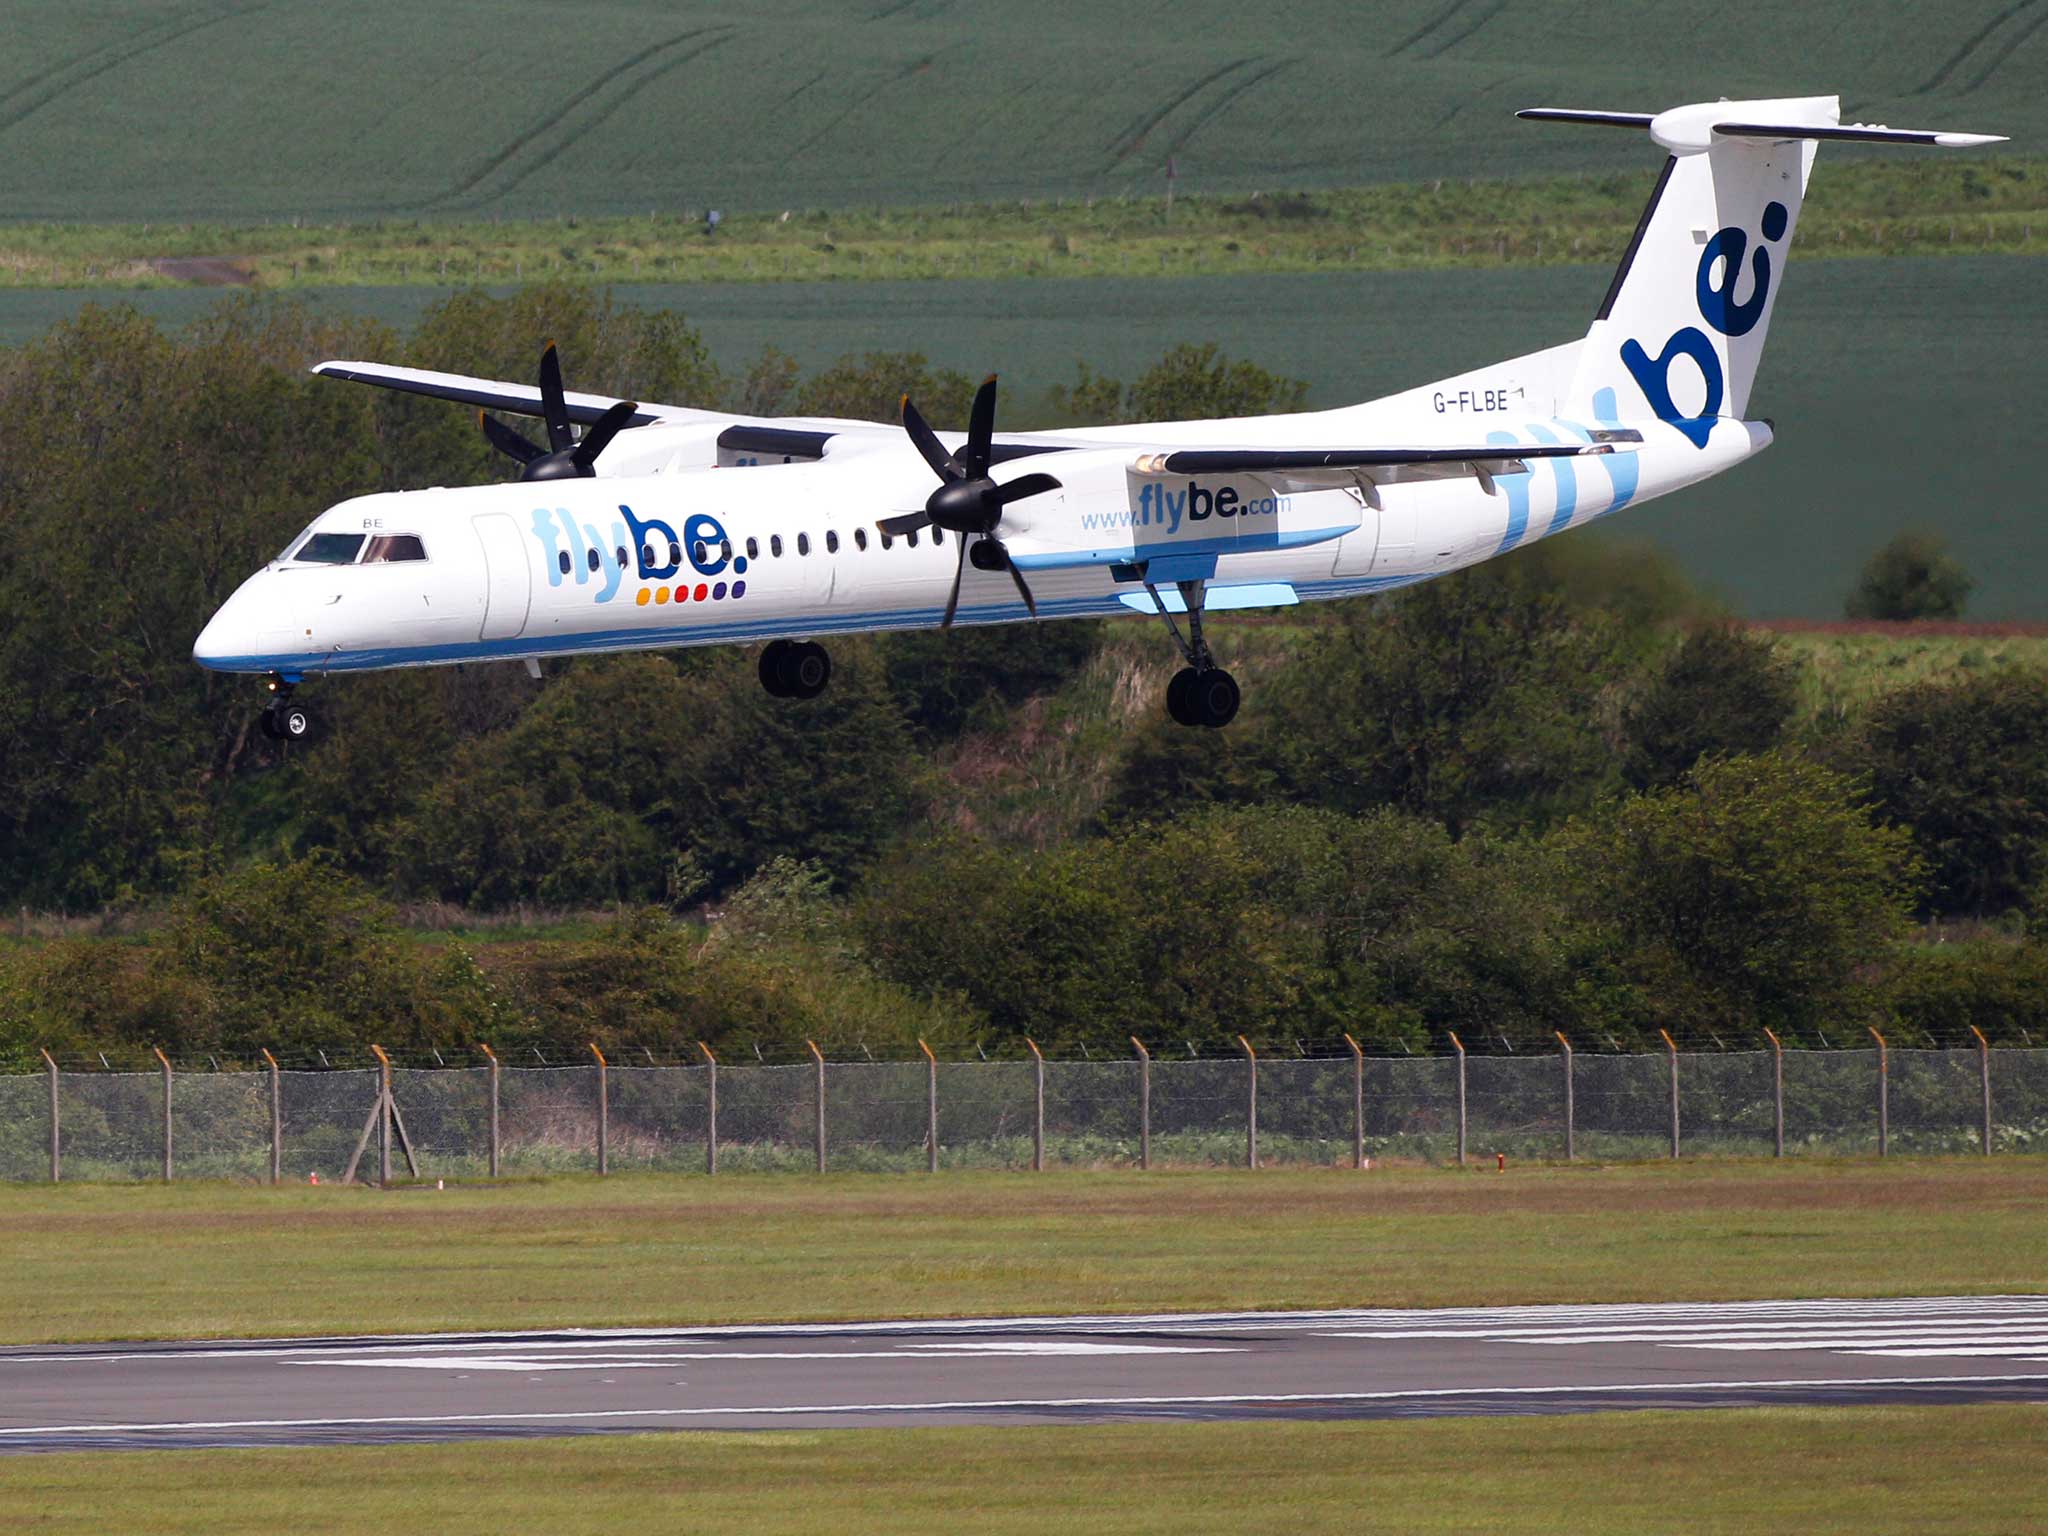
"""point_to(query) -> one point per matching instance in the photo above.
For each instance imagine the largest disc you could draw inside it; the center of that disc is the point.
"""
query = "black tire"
(293, 723)
(1180, 696)
(770, 668)
(1213, 698)
(268, 720)
(809, 669)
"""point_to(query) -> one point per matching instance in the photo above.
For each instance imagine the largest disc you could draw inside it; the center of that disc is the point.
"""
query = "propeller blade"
(554, 409)
(953, 597)
(1024, 485)
(1018, 577)
(508, 441)
(928, 443)
(599, 437)
(981, 429)
(909, 522)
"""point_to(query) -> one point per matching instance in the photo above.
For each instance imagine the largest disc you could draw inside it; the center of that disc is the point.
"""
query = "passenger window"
(831, 541)
(803, 543)
(860, 538)
(725, 549)
(775, 545)
(563, 561)
(700, 554)
(621, 553)
(887, 541)
(910, 538)
(594, 561)
(675, 553)
(753, 550)
(938, 536)
(385, 547)
(647, 556)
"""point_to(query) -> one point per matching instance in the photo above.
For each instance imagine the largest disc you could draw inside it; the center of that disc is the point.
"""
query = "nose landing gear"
(282, 720)
(795, 669)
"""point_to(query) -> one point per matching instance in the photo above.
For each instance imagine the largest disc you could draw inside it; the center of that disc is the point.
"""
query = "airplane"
(664, 526)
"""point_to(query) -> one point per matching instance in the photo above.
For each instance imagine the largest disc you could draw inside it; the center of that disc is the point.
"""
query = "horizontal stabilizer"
(1697, 127)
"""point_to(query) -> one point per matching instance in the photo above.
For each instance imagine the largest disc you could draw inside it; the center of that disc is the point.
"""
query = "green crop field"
(1903, 388)
(132, 109)
(1962, 1471)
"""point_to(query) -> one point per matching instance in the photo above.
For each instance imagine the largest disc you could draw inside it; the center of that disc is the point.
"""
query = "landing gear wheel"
(807, 670)
(770, 667)
(1213, 698)
(286, 722)
(1177, 705)
(791, 669)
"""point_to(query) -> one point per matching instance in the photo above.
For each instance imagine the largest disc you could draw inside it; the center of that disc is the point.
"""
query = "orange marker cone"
(1501, 1159)
(312, 1178)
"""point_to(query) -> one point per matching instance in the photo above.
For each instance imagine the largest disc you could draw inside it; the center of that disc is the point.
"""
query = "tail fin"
(1682, 328)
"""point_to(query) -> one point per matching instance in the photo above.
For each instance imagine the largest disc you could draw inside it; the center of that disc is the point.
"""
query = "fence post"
(1251, 1104)
(383, 1117)
(1459, 1046)
(1884, 1093)
(931, 1108)
(604, 1113)
(1144, 1103)
(491, 1056)
(1570, 1115)
(165, 1062)
(56, 1155)
(819, 1057)
(1357, 1103)
(1671, 1050)
(710, 1112)
(1777, 1094)
(1984, 1082)
(276, 1123)
(1037, 1107)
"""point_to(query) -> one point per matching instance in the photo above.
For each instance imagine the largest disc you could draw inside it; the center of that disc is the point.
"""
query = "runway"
(1303, 1365)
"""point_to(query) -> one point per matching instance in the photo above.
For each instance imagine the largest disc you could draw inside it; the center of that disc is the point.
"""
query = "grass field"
(110, 1261)
(1931, 1471)
(1858, 207)
(496, 107)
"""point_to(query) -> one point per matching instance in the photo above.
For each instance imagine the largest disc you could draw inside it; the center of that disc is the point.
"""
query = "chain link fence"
(473, 1122)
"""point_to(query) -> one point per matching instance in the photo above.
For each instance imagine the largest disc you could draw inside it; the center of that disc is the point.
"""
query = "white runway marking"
(1017, 1404)
(993, 1350)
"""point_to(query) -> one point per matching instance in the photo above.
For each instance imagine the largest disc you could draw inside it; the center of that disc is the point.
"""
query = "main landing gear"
(1201, 692)
(795, 669)
(283, 720)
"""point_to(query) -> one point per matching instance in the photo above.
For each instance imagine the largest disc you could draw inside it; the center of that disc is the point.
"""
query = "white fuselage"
(670, 550)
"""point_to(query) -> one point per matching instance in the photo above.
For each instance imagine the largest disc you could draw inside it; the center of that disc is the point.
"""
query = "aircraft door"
(508, 579)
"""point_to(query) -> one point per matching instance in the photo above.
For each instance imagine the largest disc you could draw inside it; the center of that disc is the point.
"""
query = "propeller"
(564, 458)
(968, 503)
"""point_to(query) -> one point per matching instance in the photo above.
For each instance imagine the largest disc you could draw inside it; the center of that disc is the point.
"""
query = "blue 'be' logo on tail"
(1719, 308)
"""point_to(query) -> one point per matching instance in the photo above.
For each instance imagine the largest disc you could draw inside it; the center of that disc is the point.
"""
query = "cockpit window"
(394, 546)
(330, 548)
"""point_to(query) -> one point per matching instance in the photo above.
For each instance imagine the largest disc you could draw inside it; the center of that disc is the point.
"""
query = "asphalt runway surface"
(1299, 1365)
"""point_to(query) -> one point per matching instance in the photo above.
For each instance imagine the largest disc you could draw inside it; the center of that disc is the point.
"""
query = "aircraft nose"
(236, 635)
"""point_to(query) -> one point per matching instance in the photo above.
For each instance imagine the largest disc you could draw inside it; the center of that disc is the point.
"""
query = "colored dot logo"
(703, 593)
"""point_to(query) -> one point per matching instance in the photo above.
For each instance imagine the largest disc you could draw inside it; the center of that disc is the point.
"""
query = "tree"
(1188, 382)
(1963, 767)
(946, 682)
(1722, 689)
(1470, 695)
(1911, 577)
(871, 386)
(1748, 895)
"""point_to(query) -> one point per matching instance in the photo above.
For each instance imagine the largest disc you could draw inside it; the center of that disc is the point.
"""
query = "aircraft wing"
(1318, 468)
(496, 395)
